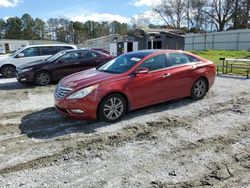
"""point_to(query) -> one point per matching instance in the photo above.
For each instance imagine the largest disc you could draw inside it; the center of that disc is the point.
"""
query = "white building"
(9, 45)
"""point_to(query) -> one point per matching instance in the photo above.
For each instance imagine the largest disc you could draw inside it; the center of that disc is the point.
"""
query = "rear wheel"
(8, 71)
(199, 89)
(112, 108)
(42, 79)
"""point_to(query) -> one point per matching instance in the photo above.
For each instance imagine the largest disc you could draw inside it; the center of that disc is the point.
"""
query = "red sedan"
(132, 81)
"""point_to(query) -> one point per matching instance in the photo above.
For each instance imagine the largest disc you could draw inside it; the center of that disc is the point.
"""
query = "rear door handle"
(166, 75)
(76, 63)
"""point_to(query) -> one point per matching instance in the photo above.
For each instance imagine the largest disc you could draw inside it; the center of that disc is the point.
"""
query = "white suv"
(9, 63)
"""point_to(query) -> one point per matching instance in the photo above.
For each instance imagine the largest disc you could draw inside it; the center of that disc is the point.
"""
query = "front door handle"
(166, 75)
(76, 63)
(194, 67)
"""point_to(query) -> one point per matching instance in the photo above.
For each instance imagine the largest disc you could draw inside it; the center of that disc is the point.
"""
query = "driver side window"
(155, 63)
(31, 52)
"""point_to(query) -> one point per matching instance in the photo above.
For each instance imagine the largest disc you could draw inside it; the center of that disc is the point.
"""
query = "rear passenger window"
(48, 50)
(61, 48)
(31, 52)
(192, 59)
(91, 55)
(178, 59)
(155, 63)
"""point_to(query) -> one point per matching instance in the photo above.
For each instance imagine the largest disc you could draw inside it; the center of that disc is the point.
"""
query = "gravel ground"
(183, 143)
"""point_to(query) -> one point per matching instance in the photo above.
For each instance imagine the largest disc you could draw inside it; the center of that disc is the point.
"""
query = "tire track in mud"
(142, 132)
(48, 123)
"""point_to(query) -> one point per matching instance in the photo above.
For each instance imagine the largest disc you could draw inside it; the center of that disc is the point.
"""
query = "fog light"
(23, 79)
(77, 111)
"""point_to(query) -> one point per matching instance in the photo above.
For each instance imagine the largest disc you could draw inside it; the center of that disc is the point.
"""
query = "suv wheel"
(8, 71)
(112, 108)
(42, 79)
(199, 89)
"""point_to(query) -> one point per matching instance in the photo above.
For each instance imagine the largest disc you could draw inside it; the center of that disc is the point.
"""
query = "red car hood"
(85, 78)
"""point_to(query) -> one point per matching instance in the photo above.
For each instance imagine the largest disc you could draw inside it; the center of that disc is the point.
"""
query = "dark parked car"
(60, 65)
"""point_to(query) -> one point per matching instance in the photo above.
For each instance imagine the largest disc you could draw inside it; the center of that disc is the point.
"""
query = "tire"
(8, 71)
(112, 113)
(199, 89)
(42, 78)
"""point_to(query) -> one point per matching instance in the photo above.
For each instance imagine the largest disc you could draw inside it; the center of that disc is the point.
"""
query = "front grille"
(61, 92)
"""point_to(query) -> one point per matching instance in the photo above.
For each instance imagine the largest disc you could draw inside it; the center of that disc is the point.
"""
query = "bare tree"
(221, 12)
(247, 14)
(172, 12)
(197, 18)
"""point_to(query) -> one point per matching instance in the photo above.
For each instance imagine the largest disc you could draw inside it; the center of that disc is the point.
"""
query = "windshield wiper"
(108, 71)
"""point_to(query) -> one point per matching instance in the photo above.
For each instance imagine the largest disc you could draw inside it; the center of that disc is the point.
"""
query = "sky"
(81, 10)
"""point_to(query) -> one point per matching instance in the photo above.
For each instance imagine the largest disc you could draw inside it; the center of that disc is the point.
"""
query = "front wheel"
(199, 89)
(8, 71)
(42, 79)
(112, 108)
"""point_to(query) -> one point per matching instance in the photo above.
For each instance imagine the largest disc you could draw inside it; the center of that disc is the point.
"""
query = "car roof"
(41, 45)
(155, 51)
(81, 50)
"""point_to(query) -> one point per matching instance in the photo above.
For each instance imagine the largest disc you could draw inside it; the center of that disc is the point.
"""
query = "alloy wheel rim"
(200, 88)
(113, 108)
(43, 79)
(8, 72)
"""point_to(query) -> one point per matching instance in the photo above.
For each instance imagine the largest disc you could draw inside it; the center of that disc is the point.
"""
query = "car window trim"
(174, 66)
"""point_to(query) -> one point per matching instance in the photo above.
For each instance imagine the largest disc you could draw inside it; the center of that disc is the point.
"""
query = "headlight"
(25, 70)
(82, 93)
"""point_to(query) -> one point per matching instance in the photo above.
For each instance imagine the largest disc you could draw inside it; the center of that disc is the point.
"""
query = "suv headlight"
(82, 93)
(25, 70)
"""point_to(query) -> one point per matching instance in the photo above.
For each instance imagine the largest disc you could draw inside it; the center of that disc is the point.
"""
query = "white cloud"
(98, 17)
(148, 17)
(149, 3)
(9, 3)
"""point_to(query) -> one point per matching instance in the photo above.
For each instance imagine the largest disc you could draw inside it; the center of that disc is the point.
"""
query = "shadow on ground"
(48, 123)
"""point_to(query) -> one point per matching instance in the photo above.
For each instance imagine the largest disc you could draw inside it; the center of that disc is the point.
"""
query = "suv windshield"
(122, 63)
(56, 56)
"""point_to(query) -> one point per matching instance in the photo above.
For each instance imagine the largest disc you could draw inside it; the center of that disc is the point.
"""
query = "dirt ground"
(177, 144)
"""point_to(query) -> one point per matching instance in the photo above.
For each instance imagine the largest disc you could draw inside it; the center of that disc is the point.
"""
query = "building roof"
(158, 31)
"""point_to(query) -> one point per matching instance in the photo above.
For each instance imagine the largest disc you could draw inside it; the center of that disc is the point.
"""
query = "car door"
(27, 55)
(147, 89)
(90, 60)
(179, 75)
(67, 64)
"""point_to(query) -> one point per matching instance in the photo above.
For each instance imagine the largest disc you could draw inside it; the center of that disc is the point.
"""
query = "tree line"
(189, 15)
(59, 29)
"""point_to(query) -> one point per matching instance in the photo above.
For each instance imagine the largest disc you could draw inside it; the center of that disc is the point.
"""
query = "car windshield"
(56, 56)
(122, 63)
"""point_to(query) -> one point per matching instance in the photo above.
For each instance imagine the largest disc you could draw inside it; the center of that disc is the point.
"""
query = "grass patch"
(214, 55)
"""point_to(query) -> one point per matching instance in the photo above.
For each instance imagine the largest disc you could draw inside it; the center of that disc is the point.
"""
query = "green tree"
(13, 28)
(28, 25)
(2, 28)
(40, 29)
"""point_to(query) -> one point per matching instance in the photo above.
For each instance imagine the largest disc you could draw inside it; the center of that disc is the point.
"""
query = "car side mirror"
(142, 71)
(20, 55)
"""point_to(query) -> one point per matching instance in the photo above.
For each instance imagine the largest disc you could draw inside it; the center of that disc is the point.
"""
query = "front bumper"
(24, 77)
(85, 108)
